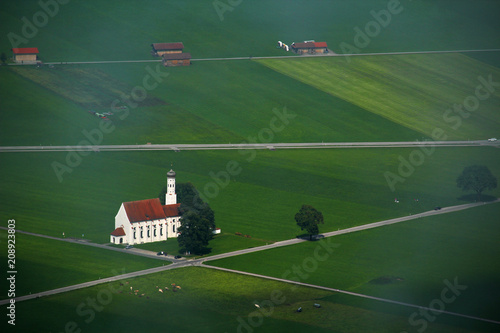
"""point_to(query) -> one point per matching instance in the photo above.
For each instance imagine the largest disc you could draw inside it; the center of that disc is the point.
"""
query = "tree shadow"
(473, 198)
(308, 237)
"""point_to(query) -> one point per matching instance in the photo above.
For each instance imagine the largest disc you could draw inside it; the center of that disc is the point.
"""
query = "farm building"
(176, 59)
(147, 221)
(26, 55)
(310, 47)
(160, 49)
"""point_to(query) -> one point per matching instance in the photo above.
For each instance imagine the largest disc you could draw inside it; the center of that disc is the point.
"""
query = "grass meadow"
(123, 30)
(383, 98)
(44, 264)
(406, 262)
(414, 91)
(348, 186)
(211, 300)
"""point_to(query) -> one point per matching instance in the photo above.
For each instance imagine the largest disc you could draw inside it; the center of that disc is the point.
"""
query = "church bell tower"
(170, 196)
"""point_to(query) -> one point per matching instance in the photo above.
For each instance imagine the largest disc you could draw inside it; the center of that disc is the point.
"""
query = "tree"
(3, 58)
(476, 178)
(190, 200)
(195, 233)
(308, 219)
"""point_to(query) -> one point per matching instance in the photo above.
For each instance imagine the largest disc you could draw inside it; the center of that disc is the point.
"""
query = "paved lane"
(238, 146)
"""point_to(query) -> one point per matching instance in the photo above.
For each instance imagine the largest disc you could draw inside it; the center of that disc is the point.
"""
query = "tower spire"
(170, 196)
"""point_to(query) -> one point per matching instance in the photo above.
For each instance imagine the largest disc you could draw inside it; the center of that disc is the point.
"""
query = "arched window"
(173, 228)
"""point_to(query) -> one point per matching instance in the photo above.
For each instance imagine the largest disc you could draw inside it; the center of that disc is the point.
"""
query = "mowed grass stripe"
(410, 90)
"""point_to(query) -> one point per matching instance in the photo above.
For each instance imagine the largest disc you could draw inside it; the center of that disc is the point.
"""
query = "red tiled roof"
(144, 210)
(167, 46)
(25, 50)
(171, 210)
(309, 45)
(320, 44)
(176, 56)
(118, 232)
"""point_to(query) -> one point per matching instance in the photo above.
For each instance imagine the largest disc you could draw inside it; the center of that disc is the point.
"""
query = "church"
(147, 221)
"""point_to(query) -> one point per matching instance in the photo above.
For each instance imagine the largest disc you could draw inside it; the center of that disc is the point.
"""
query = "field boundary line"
(266, 57)
(232, 146)
(201, 261)
(350, 293)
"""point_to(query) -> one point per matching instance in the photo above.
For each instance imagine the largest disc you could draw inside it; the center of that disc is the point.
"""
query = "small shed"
(25, 55)
(160, 49)
(176, 59)
(310, 47)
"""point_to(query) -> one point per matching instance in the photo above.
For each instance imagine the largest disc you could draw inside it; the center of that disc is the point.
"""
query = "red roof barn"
(160, 49)
(310, 47)
(25, 54)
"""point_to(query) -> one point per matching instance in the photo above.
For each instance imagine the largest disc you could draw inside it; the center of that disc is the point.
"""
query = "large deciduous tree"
(197, 221)
(476, 178)
(190, 200)
(195, 233)
(308, 219)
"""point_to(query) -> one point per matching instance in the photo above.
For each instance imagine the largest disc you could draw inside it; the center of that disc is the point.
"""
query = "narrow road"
(230, 146)
(198, 262)
(264, 57)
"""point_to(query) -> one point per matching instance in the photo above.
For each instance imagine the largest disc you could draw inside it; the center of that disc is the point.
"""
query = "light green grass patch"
(411, 90)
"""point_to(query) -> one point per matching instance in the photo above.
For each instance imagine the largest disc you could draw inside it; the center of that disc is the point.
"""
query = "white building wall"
(121, 220)
(170, 196)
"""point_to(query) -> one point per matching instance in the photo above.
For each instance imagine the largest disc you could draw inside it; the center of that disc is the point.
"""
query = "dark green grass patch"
(208, 301)
(247, 103)
(87, 86)
(348, 186)
(121, 30)
(457, 247)
(222, 243)
(44, 264)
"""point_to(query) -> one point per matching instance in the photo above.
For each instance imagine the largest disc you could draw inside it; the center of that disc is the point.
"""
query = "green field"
(348, 186)
(44, 264)
(414, 91)
(413, 259)
(117, 30)
(218, 302)
(328, 99)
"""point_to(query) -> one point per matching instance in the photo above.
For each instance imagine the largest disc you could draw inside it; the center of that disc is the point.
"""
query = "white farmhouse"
(147, 221)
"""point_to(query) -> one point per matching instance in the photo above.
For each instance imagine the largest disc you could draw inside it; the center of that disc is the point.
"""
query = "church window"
(161, 231)
(155, 232)
(142, 234)
(134, 234)
(173, 227)
(149, 235)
